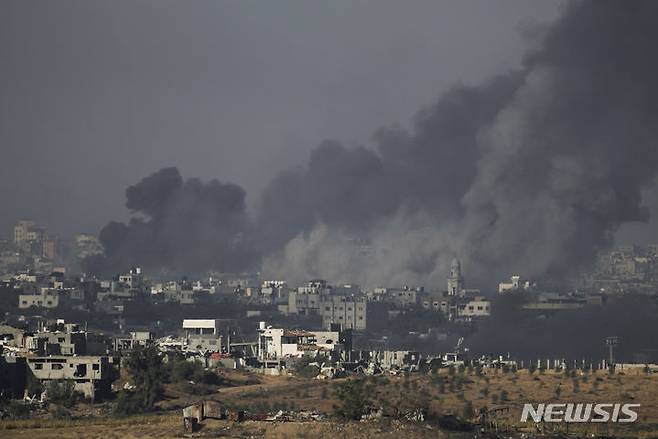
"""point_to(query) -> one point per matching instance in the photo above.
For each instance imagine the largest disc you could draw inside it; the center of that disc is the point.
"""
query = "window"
(57, 366)
(95, 366)
(60, 339)
(38, 366)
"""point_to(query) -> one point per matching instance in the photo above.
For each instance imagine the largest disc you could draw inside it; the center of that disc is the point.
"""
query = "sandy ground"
(496, 388)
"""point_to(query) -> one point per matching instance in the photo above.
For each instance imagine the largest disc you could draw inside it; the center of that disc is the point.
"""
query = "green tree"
(149, 375)
(304, 369)
(353, 397)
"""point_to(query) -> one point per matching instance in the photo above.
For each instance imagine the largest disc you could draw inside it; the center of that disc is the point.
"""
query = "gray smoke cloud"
(530, 172)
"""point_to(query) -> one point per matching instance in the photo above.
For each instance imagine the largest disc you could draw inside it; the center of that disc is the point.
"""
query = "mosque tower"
(455, 279)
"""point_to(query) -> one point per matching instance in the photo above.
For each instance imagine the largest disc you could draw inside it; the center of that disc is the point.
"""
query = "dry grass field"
(444, 393)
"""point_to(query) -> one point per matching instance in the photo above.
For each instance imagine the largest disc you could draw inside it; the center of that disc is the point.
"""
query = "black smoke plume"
(179, 227)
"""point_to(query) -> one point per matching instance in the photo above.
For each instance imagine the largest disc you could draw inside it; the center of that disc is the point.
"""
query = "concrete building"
(278, 343)
(133, 340)
(395, 359)
(45, 298)
(398, 297)
(133, 279)
(57, 343)
(21, 230)
(202, 334)
(49, 248)
(92, 375)
(554, 302)
(347, 311)
(515, 284)
(475, 307)
(436, 301)
(304, 301)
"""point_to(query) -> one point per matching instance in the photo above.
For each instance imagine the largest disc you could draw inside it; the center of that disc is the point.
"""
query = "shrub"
(60, 413)
(127, 403)
(353, 398)
(305, 370)
(14, 409)
(62, 393)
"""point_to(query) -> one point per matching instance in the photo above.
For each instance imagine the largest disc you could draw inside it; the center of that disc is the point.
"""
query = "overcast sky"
(96, 95)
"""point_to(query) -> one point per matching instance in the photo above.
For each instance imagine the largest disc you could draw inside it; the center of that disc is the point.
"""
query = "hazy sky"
(96, 95)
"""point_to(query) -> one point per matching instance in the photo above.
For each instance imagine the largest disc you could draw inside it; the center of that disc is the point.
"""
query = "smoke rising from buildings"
(179, 226)
(531, 172)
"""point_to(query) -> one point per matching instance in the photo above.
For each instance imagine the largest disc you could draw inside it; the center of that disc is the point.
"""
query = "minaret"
(455, 279)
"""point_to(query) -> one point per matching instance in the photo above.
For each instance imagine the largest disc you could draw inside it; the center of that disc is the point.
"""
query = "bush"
(128, 403)
(60, 413)
(353, 397)
(183, 370)
(62, 393)
(304, 369)
(14, 409)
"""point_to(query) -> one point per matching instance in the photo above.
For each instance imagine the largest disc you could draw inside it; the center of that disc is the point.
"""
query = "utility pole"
(611, 342)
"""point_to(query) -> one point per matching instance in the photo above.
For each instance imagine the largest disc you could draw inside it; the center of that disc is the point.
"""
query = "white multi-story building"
(279, 343)
(515, 284)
